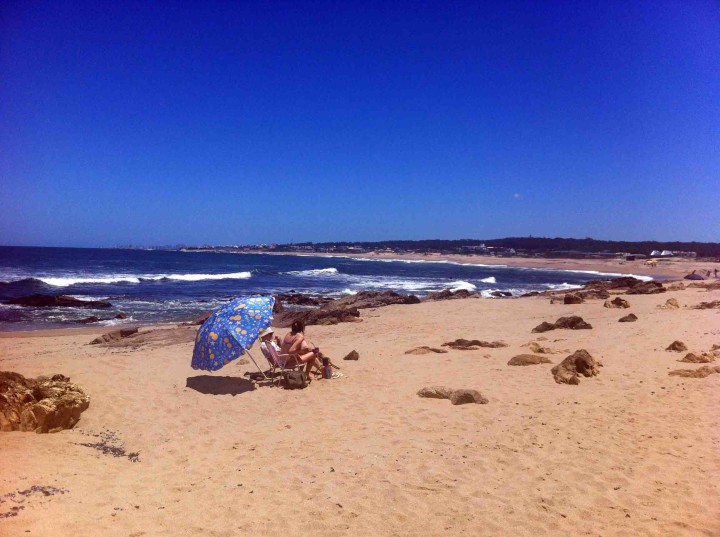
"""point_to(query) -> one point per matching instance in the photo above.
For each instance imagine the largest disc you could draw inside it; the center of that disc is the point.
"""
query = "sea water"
(163, 285)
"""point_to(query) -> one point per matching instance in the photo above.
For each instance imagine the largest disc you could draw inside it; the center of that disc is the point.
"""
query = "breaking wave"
(462, 286)
(128, 278)
(313, 272)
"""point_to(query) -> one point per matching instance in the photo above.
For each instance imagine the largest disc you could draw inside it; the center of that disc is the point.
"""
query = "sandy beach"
(631, 451)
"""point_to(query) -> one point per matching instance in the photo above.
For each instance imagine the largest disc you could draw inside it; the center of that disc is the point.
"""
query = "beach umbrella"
(694, 277)
(230, 332)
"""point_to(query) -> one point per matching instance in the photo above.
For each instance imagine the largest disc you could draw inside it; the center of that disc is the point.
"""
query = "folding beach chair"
(282, 362)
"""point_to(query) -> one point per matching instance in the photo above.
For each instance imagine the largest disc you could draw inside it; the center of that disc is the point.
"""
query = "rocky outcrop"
(572, 322)
(299, 299)
(670, 304)
(88, 320)
(42, 405)
(447, 294)
(594, 293)
(676, 346)
(528, 359)
(426, 350)
(114, 336)
(57, 301)
(343, 310)
(571, 368)
(501, 294)
(647, 288)
(633, 286)
(572, 298)
(121, 315)
(473, 344)
(616, 302)
(457, 397)
(704, 358)
(699, 373)
(352, 355)
(629, 318)
(715, 304)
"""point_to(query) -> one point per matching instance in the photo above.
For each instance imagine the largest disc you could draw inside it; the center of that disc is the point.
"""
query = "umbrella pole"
(256, 364)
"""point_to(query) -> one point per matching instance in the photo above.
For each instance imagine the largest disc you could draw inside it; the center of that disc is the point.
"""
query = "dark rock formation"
(343, 310)
(447, 294)
(572, 322)
(42, 405)
(594, 293)
(699, 373)
(57, 301)
(633, 286)
(579, 363)
(676, 346)
(473, 344)
(571, 298)
(89, 320)
(617, 302)
(352, 355)
(528, 359)
(715, 304)
(426, 350)
(299, 299)
(121, 315)
(646, 288)
(629, 318)
(501, 294)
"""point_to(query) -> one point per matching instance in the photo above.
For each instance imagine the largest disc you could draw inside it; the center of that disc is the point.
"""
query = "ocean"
(160, 285)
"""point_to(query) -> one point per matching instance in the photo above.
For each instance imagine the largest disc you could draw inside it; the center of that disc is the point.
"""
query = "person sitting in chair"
(294, 343)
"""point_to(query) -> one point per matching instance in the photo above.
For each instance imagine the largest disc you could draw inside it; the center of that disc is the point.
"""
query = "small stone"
(676, 346)
(352, 355)
(435, 392)
(463, 397)
(629, 318)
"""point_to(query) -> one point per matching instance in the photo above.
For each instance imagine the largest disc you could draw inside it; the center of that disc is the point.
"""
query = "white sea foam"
(462, 286)
(314, 272)
(128, 278)
(489, 279)
(562, 286)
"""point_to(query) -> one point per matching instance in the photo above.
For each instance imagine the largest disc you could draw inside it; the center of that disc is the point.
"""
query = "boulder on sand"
(646, 288)
(457, 397)
(676, 346)
(57, 301)
(352, 355)
(447, 294)
(117, 335)
(699, 373)
(572, 298)
(670, 304)
(704, 358)
(616, 302)
(579, 363)
(572, 322)
(528, 359)
(629, 318)
(42, 405)
(544, 327)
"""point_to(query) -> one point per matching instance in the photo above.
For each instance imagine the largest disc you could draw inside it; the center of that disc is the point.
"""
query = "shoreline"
(674, 268)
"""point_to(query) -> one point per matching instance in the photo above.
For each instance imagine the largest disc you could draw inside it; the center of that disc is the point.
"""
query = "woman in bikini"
(294, 343)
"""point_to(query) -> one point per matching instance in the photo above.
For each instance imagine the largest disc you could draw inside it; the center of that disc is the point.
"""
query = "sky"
(158, 123)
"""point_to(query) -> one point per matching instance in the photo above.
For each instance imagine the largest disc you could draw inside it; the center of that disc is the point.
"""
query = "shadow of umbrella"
(219, 385)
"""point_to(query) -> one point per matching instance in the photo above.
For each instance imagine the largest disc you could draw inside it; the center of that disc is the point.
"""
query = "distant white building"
(666, 253)
(655, 253)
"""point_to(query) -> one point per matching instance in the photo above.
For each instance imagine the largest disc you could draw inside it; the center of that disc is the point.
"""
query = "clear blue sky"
(244, 122)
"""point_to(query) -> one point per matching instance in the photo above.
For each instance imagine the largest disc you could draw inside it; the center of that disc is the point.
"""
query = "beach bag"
(294, 380)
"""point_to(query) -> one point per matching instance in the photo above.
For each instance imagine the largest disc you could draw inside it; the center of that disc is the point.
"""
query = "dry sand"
(632, 451)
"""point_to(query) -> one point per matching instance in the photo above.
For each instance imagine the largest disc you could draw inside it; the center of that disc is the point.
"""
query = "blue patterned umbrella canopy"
(230, 331)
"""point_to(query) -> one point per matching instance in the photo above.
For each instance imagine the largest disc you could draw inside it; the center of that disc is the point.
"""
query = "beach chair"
(282, 362)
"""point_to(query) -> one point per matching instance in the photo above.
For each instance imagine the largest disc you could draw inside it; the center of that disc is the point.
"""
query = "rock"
(200, 319)
(57, 301)
(425, 350)
(629, 318)
(41, 405)
(579, 363)
(299, 299)
(676, 346)
(596, 293)
(573, 322)
(121, 315)
(698, 373)
(88, 320)
(544, 327)
(372, 299)
(473, 344)
(616, 302)
(435, 392)
(447, 294)
(704, 358)
(528, 359)
(671, 304)
(715, 304)
(531, 293)
(572, 298)
(646, 288)
(463, 397)
(501, 294)
(352, 355)
(114, 336)
(539, 349)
